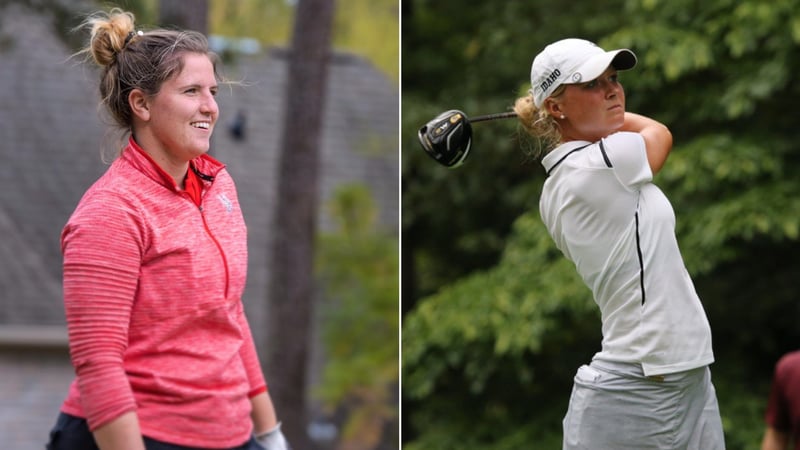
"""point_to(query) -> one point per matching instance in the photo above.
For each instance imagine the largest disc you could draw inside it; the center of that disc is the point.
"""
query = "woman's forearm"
(122, 433)
(263, 413)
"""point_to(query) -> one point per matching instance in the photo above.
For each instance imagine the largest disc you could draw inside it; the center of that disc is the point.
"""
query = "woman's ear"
(553, 108)
(140, 104)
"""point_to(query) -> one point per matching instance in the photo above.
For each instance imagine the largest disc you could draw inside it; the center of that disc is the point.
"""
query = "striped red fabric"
(152, 293)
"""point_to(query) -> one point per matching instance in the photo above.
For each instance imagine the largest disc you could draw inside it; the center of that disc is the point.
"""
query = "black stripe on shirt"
(605, 155)
(641, 259)
(563, 158)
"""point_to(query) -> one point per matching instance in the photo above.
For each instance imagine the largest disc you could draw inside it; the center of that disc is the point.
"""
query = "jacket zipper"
(219, 247)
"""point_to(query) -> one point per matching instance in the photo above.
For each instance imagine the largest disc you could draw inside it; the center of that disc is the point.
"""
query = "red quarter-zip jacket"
(152, 293)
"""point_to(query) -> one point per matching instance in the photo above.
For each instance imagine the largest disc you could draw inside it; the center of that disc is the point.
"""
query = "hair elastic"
(130, 36)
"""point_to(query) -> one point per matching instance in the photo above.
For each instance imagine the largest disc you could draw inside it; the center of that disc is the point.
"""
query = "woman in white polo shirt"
(649, 386)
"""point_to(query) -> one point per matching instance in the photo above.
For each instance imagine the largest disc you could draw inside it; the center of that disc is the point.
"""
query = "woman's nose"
(611, 88)
(209, 105)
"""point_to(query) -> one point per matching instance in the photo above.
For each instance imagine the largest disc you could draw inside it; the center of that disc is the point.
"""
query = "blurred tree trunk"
(188, 15)
(292, 282)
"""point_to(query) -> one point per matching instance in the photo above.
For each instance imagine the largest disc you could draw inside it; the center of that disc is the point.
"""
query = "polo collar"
(551, 160)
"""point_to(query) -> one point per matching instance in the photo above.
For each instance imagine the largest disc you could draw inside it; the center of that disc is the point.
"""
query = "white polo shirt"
(603, 211)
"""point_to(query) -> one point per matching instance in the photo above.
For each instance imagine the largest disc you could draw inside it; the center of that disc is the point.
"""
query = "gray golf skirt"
(614, 406)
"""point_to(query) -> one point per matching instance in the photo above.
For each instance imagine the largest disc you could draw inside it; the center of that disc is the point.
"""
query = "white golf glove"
(273, 439)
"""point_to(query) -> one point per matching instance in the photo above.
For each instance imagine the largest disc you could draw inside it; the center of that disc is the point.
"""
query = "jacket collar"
(204, 165)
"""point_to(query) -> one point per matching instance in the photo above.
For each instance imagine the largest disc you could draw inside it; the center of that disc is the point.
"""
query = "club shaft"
(502, 115)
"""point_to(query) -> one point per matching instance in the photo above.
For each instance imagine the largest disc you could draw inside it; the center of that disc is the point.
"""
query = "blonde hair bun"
(109, 34)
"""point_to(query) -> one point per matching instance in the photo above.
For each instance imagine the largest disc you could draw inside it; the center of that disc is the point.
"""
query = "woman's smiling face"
(184, 111)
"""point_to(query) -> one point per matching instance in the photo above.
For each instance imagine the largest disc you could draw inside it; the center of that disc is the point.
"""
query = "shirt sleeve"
(627, 155)
(777, 413)
(101, 247)
(249, 357)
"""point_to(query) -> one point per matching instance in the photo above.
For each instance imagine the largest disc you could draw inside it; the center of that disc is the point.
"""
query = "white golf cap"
(571, 61)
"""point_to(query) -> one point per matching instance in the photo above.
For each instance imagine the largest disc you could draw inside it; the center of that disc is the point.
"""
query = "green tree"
(494, 331)
(358, 266)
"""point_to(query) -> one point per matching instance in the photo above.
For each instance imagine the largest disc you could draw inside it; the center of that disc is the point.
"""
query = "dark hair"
(132, 59)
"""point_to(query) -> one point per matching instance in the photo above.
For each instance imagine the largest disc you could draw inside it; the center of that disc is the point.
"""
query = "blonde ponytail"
(538, 123)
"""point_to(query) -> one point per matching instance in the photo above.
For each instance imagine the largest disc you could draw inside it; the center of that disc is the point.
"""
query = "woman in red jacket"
(155, 259)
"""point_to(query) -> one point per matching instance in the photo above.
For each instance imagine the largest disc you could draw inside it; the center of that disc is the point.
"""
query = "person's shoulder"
(789, 364)
(111, 185)
(560, 153)
(111, 192)
(624, 138)
(793, 356)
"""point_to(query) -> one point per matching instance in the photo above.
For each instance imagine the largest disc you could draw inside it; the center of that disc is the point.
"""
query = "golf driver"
(447, 138)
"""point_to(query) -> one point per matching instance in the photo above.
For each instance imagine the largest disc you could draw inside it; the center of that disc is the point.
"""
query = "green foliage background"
(495, 320)
(358, 266)
(370, 28)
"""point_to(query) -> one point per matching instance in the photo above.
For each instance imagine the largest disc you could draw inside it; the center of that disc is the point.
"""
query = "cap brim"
(622, 59)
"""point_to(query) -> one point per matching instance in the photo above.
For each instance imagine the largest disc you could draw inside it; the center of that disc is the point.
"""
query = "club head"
(447, 138)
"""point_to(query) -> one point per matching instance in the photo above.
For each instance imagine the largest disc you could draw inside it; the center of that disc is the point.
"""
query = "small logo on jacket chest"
(226, 202)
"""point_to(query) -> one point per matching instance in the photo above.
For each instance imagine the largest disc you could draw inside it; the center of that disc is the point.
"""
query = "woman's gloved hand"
(273, 439)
